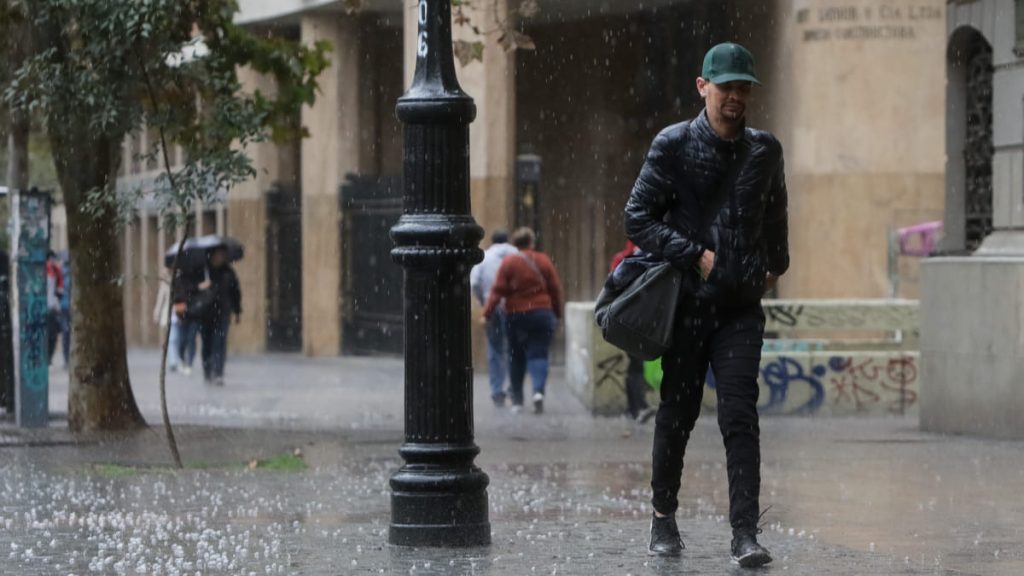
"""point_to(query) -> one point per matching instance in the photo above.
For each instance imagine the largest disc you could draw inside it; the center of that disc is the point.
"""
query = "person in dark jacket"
(225, 301)
(711, 200)
(184, 289)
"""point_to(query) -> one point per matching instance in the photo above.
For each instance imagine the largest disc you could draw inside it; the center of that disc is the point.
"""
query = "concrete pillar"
(972, 308)
(492, 84)
(131, 317)
(145, 281)
(221, 223)
(247, 222)
(861, 160)
(331, 151)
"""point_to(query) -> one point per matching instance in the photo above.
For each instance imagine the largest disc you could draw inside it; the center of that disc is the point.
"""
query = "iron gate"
(372, 298)
(978, 150)
(284, 269)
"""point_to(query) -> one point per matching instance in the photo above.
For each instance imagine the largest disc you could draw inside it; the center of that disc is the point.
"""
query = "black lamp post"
(439, 497)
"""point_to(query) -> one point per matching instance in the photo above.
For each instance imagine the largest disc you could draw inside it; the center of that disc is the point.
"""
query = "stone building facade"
(972, 306)
(853, 88)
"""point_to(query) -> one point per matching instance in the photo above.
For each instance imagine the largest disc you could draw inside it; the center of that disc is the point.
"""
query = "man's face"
(218, 258)
(726, 102)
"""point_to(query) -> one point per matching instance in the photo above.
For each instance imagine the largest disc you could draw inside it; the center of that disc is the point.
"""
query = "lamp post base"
(439, 506)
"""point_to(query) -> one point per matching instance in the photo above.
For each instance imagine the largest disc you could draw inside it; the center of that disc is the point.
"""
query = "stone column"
(972, 307)
(145, 281)
(247, 222)
(493, 138)
(331, 151)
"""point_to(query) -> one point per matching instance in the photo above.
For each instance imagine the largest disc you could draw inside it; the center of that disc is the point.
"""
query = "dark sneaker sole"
(752, 560)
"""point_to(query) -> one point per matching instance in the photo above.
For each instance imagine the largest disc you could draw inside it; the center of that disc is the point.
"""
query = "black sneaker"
(747, 552)
(665, 540)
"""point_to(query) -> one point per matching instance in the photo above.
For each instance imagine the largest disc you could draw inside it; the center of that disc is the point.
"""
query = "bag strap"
(533, 266)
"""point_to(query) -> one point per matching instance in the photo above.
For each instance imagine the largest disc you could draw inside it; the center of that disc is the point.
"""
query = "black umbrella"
(197, 249)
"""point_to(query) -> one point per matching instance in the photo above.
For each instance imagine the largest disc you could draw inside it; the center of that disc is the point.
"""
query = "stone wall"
(855, 94)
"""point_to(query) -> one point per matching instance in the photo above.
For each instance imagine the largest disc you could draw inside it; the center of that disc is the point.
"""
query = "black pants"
(729, 339)
(636, 387)
(215, 346)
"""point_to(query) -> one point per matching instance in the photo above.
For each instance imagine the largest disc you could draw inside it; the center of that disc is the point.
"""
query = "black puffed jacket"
(678, 209)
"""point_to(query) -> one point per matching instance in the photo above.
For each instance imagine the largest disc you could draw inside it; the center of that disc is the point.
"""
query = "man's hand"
(483, 320)
(205, 285)
(771, 282)
(707, 262)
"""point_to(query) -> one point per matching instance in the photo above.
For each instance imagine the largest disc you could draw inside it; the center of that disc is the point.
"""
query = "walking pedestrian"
(636, 384)
(529, 284)
(184, 290)
(481, 280)
(160, 318)
(711, 199)
(65, 311)
(224, 299)
(54, 293)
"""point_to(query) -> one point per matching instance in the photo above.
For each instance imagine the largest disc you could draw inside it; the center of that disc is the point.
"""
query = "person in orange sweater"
(529, 284)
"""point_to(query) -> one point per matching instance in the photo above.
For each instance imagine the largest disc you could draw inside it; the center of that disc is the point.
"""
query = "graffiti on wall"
(874, 383)
(783, 316)
(797, 384)
(33, 325)
(797, 376)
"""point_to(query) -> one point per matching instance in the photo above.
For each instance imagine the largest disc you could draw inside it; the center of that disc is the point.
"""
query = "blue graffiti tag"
(780, 374)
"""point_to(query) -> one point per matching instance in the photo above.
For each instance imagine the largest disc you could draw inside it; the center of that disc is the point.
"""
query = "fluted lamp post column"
(439, 497)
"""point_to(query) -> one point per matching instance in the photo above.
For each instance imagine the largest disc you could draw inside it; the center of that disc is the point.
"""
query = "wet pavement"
(569, 493)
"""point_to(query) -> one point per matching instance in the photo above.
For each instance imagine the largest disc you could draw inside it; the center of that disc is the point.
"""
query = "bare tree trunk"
(100, 395)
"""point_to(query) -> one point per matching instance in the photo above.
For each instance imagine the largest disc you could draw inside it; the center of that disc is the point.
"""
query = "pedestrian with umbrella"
(207, 294)
(223, 298)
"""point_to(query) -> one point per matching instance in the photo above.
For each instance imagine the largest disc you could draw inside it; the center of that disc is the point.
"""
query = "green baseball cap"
(729, 62)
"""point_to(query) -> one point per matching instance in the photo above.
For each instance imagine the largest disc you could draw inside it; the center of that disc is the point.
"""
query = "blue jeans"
(530, 335)
(215, 347)
(174, 344)
(187, 341)
(497, 354)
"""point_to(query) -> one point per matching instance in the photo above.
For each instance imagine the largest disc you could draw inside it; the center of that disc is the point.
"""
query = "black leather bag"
(636, 310)
(200, 303)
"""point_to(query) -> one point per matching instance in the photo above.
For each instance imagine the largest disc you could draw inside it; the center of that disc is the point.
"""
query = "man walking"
(481, 280)
(225, 301)
(711, 199)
